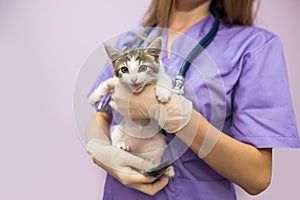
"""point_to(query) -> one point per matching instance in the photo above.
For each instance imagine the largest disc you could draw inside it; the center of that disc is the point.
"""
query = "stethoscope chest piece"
(178, 85)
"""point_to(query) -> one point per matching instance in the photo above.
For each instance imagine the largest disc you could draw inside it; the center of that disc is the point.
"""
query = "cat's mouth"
(136, 87)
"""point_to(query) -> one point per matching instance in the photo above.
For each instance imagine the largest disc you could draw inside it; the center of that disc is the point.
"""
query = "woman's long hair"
(232, 12)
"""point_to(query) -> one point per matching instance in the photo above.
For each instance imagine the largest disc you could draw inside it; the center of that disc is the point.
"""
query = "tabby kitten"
(137, 68)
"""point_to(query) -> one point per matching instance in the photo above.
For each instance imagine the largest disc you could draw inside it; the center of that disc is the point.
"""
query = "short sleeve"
(262, 107)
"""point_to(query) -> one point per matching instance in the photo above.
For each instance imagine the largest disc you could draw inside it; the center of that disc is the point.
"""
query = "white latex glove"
(171, 116)
(118, 163)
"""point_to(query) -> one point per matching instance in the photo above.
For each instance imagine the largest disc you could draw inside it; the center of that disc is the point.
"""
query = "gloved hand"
(118, 163)
(171, 116)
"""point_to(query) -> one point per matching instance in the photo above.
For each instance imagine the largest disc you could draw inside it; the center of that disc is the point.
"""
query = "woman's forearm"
(241, 163)
(98, 127)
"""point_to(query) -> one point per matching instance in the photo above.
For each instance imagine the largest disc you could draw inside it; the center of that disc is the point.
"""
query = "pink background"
(42, 46)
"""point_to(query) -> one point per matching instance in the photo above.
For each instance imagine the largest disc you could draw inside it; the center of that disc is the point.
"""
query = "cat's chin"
(136, 88)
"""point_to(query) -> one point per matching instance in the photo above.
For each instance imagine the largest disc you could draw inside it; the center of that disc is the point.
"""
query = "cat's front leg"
(102, 89)
(163, 87)
(163, 95)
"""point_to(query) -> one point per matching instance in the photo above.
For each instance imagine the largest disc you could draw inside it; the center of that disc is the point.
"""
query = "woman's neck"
(186, 13)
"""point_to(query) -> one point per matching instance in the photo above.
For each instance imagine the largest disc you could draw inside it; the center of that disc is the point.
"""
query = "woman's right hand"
(119, 164)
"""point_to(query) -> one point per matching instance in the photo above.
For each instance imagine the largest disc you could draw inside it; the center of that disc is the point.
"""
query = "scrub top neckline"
(196, 32)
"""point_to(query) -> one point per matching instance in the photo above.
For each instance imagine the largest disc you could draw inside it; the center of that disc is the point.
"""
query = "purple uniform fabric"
(252, 104)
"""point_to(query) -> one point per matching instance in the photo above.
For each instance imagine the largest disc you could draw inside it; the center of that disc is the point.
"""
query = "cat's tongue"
(136, 87)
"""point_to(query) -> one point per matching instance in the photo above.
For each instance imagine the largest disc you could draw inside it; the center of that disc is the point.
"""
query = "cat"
(137, 68)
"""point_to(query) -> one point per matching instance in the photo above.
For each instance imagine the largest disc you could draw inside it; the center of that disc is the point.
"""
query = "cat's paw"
(123, 146)
(93, 98)
(162, 93)
(97, 94)
(170, 172)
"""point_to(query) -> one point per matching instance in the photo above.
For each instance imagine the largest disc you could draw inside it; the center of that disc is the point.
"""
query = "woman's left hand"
(120, 163)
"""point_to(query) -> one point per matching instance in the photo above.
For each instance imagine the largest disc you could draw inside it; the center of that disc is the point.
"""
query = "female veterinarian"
(241, 106)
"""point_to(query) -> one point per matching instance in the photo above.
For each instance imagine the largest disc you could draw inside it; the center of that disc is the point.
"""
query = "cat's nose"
(133, 79)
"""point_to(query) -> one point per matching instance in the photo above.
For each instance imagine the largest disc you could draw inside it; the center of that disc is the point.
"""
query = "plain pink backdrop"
(42, 46)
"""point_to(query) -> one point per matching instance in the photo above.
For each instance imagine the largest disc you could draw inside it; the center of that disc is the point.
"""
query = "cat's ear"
(154, 48)
(112, 53)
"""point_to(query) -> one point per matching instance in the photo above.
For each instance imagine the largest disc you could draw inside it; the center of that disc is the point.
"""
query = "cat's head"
(136, 67)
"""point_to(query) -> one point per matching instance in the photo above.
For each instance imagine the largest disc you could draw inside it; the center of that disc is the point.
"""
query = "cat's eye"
(124, 70)
(142, 68)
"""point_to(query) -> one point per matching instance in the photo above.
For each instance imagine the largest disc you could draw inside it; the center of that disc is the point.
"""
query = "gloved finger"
(152, 188)
(114, 157)
(135, 178)
(97, 162)
(93, 145)
(131, 179)
(119, 107)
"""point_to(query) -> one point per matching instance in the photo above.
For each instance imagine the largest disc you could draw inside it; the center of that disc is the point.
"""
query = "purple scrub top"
(252, 104)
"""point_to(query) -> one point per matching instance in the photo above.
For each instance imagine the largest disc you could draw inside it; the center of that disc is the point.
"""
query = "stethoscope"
(196, 51)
